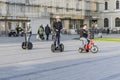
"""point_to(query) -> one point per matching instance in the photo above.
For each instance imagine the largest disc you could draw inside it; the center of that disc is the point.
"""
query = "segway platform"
(58, 48)
(27, 45)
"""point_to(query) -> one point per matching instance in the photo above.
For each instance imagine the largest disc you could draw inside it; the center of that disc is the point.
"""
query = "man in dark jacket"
(57, 26)
(47, 32)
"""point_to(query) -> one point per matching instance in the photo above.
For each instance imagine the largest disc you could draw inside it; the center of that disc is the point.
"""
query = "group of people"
(41, 32)
(57, 26)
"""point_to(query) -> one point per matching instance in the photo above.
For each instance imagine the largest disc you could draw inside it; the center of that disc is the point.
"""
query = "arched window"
(106, 5)
(117, 22)
(117, 4)
(106, 22)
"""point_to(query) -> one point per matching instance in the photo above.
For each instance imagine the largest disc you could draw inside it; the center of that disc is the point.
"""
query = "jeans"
(84, 41)
(28, 36)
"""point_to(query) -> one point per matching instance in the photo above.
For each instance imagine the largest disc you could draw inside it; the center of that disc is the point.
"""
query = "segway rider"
(84, 35)
(57, 26)
(28, 31)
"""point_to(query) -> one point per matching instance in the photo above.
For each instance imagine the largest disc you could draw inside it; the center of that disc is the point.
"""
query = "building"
(110, 14)
(73, 13)
(20, 12)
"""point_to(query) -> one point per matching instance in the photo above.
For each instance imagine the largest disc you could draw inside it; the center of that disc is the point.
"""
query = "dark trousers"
(47, 36)
(18, 32)
(57, 39)
(28, 36)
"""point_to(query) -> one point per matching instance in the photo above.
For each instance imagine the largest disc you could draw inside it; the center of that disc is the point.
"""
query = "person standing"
(47, 32)
(92, 32)
(57, 26)
(41, 32)
(28, 31)
(108, 30)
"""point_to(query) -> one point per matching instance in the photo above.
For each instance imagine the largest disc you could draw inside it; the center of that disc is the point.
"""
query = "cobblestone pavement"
(41, 64)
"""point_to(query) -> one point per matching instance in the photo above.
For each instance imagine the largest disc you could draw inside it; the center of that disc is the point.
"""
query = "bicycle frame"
(89, 45)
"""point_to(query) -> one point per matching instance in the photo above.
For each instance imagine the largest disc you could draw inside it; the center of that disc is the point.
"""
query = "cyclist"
(84, 35)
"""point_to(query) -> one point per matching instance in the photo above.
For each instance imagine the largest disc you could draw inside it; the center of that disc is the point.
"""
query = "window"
(22, 9)
(27, 2)
(106, 5)
(117, 4)
(57, 9)
(117, 22)
(45, 10)
(106, 22)
(97, 6)
(67, 7)
(77, 6)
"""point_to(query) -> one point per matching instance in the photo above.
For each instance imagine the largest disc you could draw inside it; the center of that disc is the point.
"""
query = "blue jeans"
(84, 41)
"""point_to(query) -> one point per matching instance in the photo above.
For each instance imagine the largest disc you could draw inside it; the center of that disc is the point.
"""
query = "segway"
(27, 44)
(59, 47)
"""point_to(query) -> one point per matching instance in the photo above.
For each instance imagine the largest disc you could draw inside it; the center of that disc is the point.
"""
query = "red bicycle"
(89, 47)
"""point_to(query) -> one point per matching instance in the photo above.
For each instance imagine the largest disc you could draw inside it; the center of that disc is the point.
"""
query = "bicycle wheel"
(94, 49)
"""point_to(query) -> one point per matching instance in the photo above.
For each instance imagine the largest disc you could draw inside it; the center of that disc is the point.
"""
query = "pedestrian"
(108, 30)
(47, 32)
(18, 29)
(41, 32)
(92, 32)
(57, 26)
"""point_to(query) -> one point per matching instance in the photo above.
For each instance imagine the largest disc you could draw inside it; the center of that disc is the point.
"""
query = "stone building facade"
(109, 14)
(73, 13)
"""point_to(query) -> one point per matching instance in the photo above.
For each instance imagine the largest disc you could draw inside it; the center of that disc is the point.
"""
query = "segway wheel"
(61, 47)
(53, 48)
(24, 45)
(30, 45)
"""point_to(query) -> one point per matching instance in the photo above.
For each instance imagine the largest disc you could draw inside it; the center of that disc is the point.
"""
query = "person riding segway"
(28, 32)
(57, 26)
